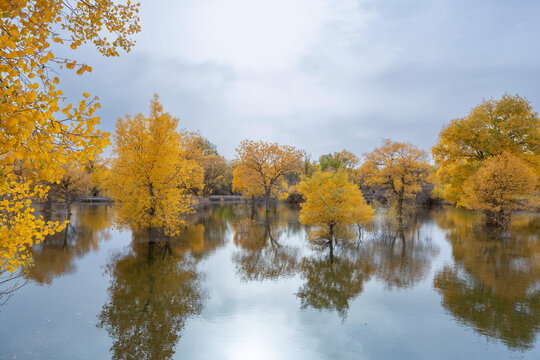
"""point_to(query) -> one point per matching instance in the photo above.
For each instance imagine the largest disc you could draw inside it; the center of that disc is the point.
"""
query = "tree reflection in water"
(262, 256)
(399, 256)
(204, 233)
(494, 284)
(333, 280)
(151, 295)
(55, 255)
(334, 275)
(402, 255)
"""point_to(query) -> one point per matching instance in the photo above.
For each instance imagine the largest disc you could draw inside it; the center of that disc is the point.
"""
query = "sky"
(322, 75)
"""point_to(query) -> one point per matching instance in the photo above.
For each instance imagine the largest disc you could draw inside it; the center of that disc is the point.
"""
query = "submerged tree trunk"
(497, 218)
(267, 200)
(331, 241)
(400, 210)
(151, 247)
(252, 213)
(47, 210)
(68, 208)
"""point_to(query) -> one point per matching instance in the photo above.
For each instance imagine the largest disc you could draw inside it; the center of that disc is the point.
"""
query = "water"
(238, 285)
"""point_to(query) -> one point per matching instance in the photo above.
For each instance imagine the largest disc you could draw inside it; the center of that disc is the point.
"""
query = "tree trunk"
(68, 208)
(331, 242)
(400, 210)
(497, 218)
(47, 210)
(152, 210)
(267, 200)
(151, 246)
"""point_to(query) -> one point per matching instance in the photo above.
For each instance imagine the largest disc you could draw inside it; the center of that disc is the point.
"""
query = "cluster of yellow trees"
(488, 160)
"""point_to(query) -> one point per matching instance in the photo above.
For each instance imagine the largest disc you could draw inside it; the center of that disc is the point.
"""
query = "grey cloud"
(375, 69)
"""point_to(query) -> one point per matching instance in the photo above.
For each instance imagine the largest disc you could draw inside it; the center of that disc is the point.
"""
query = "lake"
(242, 285)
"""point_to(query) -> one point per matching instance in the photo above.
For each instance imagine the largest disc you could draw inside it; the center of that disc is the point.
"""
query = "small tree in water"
(332, 199)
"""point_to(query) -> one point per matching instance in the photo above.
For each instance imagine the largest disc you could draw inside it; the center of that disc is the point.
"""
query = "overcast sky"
(322, 75)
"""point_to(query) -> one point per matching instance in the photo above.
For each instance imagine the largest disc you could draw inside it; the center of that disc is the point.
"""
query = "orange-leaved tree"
(150, 172)
(260, 167)
(40, 130)
(332, 199)
(493, 128)
(498, 187)
(398, 168)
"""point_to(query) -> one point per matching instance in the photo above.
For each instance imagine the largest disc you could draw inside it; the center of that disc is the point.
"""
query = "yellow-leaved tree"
(150, 173)
(398, 168)
(498, 187)
(507, 126)
(40, 130)
(260, 167)
(332, 199)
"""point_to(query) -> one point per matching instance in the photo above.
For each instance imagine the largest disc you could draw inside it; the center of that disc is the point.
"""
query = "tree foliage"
(343, 159)
(260, 167)
(152, 171)
(75, 182)
(40, 130)
(493, 128)
(498, 186)
(20, 227)
(217, 174)
(398, 168)
(331, 199)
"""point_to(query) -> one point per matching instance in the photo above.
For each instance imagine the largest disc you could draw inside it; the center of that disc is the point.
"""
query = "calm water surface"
(240, 285)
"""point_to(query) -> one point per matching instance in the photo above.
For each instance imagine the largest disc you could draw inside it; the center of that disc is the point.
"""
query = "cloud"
(253, 35)
(320, 74)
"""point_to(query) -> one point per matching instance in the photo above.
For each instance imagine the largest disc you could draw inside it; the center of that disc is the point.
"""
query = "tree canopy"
(398, 168)
(40, 129)
(493, 129)
(152, 171)
(260, 166)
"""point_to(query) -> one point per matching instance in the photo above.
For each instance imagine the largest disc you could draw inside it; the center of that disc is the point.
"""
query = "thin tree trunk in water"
(400, 210)
(64, 245)
(47, 210)
(497, 218)
(402, 236)
(359, 232)
(331, 235)
(267, 219)
(267, 200)
(151, 235)
(151, 245)
(68, 208)
(150, 255)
